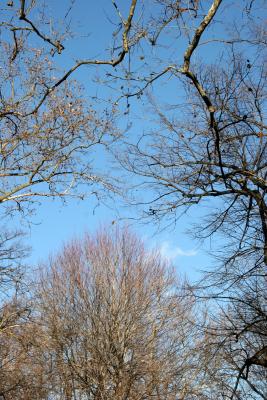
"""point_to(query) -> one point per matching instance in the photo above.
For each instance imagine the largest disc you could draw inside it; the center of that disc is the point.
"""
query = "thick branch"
(23, 17)
(111, 62)
(200, 30)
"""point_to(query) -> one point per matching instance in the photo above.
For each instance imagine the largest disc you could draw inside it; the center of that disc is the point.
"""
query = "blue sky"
(54, 223)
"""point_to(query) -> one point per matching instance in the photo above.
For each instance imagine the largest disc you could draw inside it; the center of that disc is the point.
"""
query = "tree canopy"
(182, 117)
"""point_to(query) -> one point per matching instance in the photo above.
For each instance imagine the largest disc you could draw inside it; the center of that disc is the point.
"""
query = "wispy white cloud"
(171, 252)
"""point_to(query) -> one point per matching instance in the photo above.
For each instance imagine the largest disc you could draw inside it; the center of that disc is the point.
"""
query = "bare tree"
(46, 153)
(213, 146)
(236, 346)
(189, 159)
(115, 322)
(210, 148)
(48, 128)
(24, 369)
(48, 131)
(12, 254)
